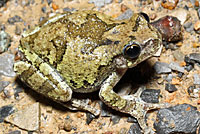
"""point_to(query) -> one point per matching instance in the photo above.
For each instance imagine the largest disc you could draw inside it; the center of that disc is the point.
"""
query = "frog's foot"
(147, 106)
(131, 104)
(81, 104)
(138, 108)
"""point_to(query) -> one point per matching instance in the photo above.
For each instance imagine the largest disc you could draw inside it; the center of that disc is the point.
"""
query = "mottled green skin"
(83, 52)
(81, 47)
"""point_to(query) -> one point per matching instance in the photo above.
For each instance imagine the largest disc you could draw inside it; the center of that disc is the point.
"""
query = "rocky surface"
(178, 119)
(174, 74)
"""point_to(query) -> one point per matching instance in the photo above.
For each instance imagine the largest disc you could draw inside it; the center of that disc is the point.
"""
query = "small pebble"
(175, 66)
(42, 19)
(189, 67)
(150, 95)
(178, 55)
(67, 9)
(132, 119)
(7, 93)
(17, 30)
(135, 129)
(196, 79)
(169, 4)
(49, 1)
(115, 119)
(6, 65)
(17, 91)
(170, 88)
(192, 58)
(180, 74)
(27, 3)
(196, 3)
(90, 117)
(125, 15)
(197, 25)
(186, 7)
(2, 27)
(161, 67)
(55, 6)
(3, 2)
(188, 26)
(14, 19)
(193, 91)
(100, 3)
(15, 132)
(5, 41)
(190, 89)
(169, 78)
(67, 125)
(6, 111)
(3, 84)
(79, 115)
(44, 9)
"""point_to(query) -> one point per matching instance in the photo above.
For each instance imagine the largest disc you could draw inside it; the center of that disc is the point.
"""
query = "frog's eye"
(132, 50)
(145, 16)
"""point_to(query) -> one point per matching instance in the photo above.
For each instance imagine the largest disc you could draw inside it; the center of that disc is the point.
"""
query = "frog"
(86, 51)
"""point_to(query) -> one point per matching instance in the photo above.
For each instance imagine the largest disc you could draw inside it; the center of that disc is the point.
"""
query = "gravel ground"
(171, 77)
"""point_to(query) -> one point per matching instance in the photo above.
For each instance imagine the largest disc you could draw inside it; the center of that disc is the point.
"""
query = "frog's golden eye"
(145, 16)
(132, 50)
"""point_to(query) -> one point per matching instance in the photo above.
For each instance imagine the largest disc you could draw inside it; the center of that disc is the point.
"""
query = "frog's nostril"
(132, 50)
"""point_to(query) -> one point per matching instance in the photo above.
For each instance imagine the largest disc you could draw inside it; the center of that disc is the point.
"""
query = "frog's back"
(73, 44)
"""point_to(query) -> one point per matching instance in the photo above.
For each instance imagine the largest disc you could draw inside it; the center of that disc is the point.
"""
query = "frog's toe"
(82, 104)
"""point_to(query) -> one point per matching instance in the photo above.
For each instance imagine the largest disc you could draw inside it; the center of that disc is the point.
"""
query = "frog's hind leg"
(130, 104)
(45, 80)
(48, 83)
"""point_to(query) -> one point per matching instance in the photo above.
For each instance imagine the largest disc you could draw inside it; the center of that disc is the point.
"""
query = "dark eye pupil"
(132, 51)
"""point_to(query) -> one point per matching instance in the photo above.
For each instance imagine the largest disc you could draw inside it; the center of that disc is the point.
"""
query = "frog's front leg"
(131, 104)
